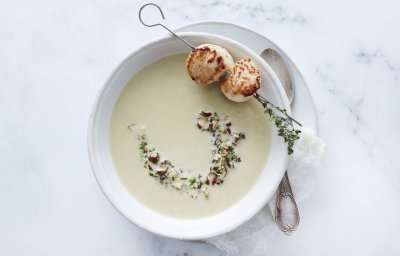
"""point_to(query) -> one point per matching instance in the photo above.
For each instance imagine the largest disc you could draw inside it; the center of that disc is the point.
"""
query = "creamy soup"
(163, 99)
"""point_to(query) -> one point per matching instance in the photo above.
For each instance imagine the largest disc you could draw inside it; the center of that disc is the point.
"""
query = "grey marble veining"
(55, 55)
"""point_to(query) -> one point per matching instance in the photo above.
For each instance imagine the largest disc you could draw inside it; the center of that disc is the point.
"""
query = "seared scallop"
(243, 82)
(208, 63)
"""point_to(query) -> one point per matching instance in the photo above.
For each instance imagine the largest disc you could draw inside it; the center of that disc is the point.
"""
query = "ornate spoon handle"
(286, 214)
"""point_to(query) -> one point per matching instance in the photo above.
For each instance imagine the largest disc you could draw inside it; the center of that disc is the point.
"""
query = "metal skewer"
(159, 24)
(257, 96)
(264, 100)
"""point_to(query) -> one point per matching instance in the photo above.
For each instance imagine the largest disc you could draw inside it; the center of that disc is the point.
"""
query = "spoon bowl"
(280, 68)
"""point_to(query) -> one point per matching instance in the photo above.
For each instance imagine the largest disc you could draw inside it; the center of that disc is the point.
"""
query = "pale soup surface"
(164, 99)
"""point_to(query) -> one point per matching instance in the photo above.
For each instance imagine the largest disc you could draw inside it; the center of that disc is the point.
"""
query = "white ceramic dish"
(113, 188)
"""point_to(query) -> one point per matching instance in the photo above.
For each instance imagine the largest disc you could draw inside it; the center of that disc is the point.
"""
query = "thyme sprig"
(285, 126)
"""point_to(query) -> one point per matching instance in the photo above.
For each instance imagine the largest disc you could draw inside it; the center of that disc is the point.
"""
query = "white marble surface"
(55, 56)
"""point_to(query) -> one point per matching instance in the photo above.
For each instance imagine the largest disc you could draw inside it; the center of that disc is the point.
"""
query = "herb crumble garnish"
(224, 157)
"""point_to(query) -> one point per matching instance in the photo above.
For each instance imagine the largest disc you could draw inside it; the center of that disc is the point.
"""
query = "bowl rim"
(293, 63)
(108, 192)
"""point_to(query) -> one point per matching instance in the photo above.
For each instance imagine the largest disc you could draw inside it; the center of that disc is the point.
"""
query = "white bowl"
(113, 188)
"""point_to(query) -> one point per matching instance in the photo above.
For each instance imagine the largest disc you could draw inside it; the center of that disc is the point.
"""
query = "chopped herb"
(192, 180)
(224, 141)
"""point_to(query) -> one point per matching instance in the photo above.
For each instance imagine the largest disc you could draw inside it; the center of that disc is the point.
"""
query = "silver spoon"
(287, 215)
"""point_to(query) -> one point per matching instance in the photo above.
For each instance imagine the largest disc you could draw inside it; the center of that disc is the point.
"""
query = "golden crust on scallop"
(243, 82)
(208, 63)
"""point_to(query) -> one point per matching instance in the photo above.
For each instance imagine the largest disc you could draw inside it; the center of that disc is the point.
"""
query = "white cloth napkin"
(252, 237)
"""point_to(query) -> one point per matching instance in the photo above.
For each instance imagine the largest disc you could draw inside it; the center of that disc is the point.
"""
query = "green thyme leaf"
(192, 180)
(285, 128)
